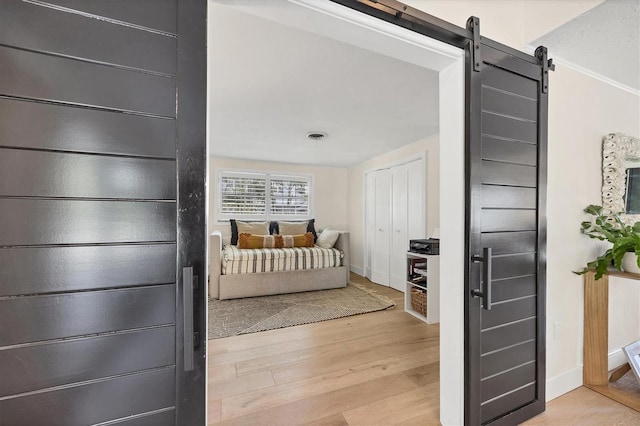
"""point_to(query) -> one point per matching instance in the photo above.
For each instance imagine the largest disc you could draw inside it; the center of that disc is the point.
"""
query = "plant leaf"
(593, 209)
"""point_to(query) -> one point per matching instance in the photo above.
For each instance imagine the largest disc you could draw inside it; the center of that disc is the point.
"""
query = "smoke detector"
(316, 136)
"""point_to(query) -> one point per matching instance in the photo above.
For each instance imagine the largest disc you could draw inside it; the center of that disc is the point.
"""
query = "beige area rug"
(253, 314)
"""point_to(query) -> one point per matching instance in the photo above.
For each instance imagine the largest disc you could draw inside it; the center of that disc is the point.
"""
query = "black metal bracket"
(547, 65)
(473, 25)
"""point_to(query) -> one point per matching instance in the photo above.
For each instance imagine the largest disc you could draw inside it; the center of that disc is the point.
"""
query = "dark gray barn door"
(101, 207)
(506, 169)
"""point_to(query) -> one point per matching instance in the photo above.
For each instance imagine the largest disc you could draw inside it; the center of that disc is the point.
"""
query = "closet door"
(369, 221)
(399, 214)
(382, 220)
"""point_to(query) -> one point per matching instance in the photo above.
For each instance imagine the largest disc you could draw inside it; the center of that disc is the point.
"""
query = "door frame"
(448, 60)
(191, 201)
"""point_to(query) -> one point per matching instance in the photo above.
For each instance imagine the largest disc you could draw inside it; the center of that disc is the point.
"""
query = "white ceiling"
(270, 84)
(604, 41)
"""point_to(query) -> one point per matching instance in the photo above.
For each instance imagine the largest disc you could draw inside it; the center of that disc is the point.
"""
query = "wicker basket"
(419, 301)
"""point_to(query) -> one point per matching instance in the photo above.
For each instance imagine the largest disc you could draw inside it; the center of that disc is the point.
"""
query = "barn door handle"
(189, 282)
(485, 293)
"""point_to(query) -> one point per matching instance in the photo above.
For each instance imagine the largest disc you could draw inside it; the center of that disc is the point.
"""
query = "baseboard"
(616, 359)
(566, 382)
(357, 270)
(563, 383)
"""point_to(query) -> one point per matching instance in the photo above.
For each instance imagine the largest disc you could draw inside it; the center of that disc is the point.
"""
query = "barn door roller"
(547, 65)
(473, 25)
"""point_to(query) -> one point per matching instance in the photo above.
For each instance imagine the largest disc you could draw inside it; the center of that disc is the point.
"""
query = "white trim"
(572, 379)
(563, 383)
(452, 230)
(390, 30)
(616, 359)
(357, 270)
(582, 70)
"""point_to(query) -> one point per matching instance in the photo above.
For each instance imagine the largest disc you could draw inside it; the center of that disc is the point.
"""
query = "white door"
(399, 242)
(369, 222)
(382, 220)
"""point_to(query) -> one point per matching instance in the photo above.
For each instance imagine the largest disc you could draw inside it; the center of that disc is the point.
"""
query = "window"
(263, 196)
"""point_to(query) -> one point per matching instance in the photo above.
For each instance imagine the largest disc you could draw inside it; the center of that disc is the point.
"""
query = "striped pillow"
(301, 240)
(252, 241)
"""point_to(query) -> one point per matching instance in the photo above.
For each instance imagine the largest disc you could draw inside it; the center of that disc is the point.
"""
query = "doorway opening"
(358, 32)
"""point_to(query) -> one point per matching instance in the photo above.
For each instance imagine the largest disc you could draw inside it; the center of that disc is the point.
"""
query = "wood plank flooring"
(373, 369)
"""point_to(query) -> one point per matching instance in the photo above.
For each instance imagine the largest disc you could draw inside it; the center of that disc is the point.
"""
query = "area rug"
(253, 314)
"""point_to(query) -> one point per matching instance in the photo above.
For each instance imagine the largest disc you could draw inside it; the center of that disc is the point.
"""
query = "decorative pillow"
(238, 226)
(328, 238)
(292, 228)
(295, 228)
(302, 240)
(252, 241)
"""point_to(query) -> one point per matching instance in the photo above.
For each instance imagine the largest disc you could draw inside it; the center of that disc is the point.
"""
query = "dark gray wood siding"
(88, 212)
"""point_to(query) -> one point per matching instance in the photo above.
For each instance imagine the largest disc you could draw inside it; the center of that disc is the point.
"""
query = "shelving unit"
(423, 287)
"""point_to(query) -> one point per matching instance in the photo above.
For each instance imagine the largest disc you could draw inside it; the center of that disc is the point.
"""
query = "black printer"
(428, 246)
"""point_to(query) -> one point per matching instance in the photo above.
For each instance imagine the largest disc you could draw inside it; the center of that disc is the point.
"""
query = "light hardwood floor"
(373, 369)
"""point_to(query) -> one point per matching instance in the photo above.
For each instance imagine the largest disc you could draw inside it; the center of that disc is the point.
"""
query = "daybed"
(233, 285)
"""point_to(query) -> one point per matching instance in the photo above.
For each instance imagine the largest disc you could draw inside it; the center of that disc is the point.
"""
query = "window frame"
(267, 175)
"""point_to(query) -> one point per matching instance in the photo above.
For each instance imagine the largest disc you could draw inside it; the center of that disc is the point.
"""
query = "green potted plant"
(625, 252)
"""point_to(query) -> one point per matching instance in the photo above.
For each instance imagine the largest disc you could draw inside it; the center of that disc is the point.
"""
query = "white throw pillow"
(292, 228)
(256, 228)
(328, 238)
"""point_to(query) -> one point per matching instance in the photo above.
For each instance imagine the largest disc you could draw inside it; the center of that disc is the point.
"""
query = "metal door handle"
(485, 293)
(187, 320)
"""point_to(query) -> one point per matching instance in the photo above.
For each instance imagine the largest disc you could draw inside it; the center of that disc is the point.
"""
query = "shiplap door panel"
(506, 148)
(97, 176)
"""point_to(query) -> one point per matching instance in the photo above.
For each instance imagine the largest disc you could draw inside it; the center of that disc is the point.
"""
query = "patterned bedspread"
(249, 261)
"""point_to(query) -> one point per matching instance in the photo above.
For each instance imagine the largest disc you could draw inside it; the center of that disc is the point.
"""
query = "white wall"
(329, 190)
(499, 19)
(511, 22)
(430, 146)
(542, 17)
(581, 111)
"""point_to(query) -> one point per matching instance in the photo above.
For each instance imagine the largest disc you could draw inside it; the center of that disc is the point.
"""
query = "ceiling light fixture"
(316, 136)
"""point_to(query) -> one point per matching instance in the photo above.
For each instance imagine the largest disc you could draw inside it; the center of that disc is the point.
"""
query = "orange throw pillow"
(252, 241)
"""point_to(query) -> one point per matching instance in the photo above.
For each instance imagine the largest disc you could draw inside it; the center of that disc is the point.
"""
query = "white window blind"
(243, 195)
(289, 197)
(263, 196)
